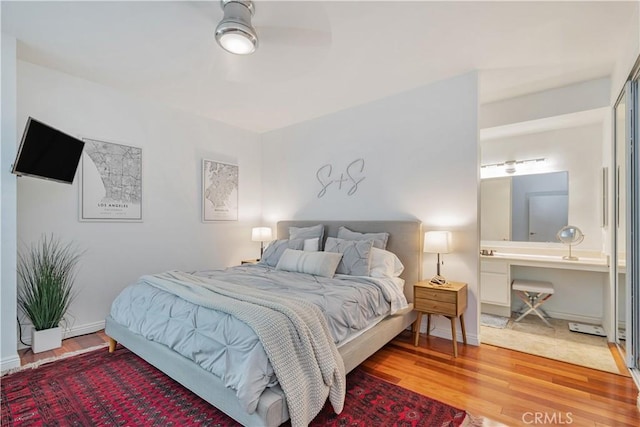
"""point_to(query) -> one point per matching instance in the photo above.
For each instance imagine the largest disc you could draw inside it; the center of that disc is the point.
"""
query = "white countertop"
(589, 263)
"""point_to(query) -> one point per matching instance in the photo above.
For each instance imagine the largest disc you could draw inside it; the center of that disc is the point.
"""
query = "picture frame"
(219, 191)
(110, 182)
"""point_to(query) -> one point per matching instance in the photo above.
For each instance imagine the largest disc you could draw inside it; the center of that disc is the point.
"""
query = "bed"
(271, 408)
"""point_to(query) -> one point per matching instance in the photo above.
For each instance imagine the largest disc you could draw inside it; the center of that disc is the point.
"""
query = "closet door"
(619, 177)
(632, 211)
(627, 222)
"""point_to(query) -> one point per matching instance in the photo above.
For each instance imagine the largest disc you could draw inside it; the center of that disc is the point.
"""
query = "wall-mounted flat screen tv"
(47, 153)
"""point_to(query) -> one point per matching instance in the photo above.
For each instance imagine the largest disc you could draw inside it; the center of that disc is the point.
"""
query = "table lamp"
(261, 234)
(437, 242)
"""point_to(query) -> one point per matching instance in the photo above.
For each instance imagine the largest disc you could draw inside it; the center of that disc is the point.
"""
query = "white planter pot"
(46, 339)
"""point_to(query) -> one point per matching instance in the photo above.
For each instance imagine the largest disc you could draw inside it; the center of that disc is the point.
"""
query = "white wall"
(627, 56)
(587, 95)
(172, 235)
(8, 355)
(577, 150)
(421, 161)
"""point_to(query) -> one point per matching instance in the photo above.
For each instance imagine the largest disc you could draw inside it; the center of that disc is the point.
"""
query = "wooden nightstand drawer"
(436, 307)
(436, 294)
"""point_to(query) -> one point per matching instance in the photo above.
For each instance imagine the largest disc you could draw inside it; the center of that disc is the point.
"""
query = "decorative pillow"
(316, 263)
(273, 252)
(311, 245)
(379, 239)
(356, 259)
(385, 264)
(315, 231)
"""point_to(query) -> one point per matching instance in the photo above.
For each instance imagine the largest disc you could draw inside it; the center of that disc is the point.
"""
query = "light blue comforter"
(229, 348)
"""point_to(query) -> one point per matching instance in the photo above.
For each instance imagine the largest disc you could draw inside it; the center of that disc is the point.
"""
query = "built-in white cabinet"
(494, 282)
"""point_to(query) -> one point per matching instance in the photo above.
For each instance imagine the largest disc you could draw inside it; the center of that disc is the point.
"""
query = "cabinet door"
(495, 289)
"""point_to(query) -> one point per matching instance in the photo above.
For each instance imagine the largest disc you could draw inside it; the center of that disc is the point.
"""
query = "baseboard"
(574, 317)
(497, 310)
(10, 362)
(87, 328)
(507, 312)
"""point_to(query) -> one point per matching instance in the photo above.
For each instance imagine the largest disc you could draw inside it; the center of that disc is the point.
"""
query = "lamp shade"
(261, 234)
(437, 242)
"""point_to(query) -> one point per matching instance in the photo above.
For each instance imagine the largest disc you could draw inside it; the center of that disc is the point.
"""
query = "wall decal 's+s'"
(351, 176)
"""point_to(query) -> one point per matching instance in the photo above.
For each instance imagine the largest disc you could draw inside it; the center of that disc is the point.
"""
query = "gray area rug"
(493, 321)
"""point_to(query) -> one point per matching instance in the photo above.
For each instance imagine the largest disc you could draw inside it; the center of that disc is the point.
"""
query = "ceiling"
(319, 57)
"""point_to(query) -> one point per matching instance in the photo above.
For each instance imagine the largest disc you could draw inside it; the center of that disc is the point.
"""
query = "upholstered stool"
(534, 293)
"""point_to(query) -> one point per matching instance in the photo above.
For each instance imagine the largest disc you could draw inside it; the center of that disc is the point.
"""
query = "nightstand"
(249, 261)
(449, 300)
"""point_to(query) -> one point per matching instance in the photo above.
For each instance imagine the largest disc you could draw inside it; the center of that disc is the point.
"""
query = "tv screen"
(47, 153)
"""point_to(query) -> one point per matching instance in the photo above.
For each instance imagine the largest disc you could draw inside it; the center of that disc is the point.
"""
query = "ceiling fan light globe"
(236, 38)
(234, 33)
(236, 42)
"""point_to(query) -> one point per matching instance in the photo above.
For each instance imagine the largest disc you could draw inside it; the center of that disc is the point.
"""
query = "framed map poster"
(219, 191)
(111, 182)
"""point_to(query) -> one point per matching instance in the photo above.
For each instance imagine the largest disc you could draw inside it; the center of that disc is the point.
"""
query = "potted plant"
(47, 272)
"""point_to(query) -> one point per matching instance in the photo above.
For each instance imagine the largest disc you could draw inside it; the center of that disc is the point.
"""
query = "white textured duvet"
(228, 347)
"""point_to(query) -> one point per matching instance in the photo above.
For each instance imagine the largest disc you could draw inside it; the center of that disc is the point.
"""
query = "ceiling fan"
(236, 34)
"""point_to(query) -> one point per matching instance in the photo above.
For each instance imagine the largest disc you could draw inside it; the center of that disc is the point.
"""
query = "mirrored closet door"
(620, 142)
(626, 253)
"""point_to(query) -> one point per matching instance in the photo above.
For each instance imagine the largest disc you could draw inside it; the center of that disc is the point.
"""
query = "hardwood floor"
(501, 385)
(507, 386)
(69, 345)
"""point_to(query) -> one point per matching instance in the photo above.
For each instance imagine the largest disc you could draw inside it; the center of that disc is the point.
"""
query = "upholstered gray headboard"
(405, 240)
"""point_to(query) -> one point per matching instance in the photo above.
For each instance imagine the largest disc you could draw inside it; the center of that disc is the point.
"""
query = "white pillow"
(385, 264)
(316, 263)
(311, 245)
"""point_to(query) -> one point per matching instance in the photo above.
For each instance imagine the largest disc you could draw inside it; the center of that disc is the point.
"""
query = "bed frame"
(405, 241)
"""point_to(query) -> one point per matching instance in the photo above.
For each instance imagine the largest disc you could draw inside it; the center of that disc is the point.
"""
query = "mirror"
(570, 235)
(524, 208)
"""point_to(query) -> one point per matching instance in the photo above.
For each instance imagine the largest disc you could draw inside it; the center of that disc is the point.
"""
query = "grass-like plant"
(47, 271)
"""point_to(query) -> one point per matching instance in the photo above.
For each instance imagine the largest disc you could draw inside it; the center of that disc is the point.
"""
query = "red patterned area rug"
(120, 389)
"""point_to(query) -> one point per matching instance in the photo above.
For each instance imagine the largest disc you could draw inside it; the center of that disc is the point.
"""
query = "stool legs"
(534, 301)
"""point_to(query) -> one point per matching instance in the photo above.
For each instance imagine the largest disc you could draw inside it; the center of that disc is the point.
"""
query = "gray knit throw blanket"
(293, 332)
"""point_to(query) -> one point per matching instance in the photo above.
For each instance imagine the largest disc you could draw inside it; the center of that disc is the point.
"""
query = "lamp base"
(438, 280)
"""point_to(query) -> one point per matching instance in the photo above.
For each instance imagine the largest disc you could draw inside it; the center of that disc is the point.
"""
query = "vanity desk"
(582, 280)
